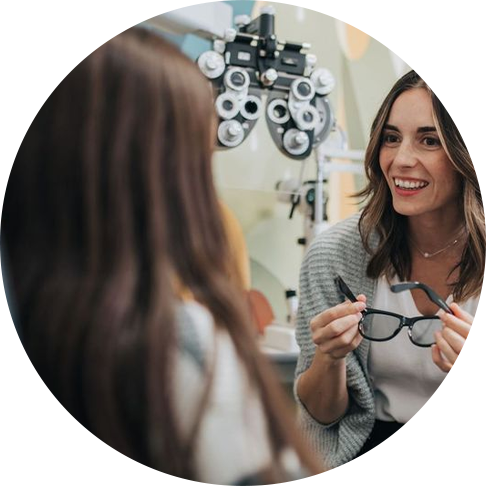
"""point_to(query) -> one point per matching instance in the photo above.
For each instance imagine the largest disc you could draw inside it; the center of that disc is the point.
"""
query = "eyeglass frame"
(404, 321)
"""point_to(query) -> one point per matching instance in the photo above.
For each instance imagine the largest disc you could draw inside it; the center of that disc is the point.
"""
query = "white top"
(403, 375)
(232, 445)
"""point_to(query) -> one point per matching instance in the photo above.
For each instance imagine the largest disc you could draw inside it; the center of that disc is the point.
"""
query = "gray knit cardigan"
(337, 251)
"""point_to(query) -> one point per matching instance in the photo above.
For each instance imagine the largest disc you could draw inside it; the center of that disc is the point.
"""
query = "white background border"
(41, 41)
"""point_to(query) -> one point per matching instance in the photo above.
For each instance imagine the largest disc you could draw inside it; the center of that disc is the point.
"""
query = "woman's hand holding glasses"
(335, 331)
(450, 340)
(446, 343)
(322, 387)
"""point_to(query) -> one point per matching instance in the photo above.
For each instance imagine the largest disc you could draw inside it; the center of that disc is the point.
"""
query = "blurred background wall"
(246, 176)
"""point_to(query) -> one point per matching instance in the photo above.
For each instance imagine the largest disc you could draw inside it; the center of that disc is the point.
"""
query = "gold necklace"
(427, 255)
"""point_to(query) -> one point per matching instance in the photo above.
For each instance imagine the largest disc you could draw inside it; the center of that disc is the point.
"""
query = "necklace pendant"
(427, 255)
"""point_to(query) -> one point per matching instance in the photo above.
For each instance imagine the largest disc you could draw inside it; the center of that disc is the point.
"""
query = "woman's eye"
(390, 138)
(431, 142)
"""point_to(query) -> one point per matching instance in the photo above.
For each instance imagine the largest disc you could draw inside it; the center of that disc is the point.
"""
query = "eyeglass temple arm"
(345, 289)
(436, 299)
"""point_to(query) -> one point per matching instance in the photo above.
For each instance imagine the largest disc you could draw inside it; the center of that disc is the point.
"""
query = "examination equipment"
(249, 61)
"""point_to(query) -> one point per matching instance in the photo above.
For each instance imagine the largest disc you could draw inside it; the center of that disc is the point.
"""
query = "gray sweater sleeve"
(338, 250)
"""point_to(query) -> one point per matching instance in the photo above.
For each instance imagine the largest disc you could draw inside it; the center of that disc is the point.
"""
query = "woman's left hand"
(450, 340)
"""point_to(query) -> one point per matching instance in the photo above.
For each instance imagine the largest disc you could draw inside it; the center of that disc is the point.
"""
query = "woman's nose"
(405, 155)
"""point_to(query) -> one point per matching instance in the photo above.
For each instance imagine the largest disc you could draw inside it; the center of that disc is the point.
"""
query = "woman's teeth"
(403, 184)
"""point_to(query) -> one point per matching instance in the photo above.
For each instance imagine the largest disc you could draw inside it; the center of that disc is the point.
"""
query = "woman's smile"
(406, 186)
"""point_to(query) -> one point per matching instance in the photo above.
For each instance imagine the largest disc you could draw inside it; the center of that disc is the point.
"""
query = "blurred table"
(285, 362)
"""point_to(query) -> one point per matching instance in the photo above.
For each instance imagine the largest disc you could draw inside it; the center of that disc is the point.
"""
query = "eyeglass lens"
(423, 331)
(381, 327)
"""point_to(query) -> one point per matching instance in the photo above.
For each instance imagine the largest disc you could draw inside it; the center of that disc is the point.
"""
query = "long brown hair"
(392, 255)
(109, 207)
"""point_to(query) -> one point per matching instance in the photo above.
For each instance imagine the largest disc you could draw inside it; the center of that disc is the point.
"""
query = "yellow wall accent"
(356, 42)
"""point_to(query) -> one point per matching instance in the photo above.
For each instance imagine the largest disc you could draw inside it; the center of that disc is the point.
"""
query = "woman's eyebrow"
(387, 126)
(426, 129)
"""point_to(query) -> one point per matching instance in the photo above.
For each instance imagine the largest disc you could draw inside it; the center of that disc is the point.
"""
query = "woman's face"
(416, 167)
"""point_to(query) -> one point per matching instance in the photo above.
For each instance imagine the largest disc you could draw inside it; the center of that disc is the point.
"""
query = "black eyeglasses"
(379, 325)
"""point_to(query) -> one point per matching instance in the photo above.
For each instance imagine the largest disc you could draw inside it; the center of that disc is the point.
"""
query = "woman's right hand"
(322, 388)
(335, 331)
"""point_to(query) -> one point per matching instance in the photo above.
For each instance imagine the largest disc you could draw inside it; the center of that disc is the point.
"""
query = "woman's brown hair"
(109, 208)
(392, 255)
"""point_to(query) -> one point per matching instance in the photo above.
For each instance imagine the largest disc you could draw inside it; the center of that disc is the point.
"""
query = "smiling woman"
(414, 139)
(423, 221)
(418, 171)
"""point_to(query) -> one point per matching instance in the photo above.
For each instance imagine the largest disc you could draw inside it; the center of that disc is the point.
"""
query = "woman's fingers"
(445, 348)
(361, 298)
(439, 360)
(455, 340)
(336, 331)
(336, 312)
(340, 326)
(337, 327)
(461, 313)
(450, 341)
(343, 340)
(336, 318)
(353, 344)
(455, 323)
